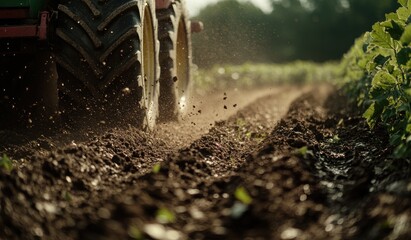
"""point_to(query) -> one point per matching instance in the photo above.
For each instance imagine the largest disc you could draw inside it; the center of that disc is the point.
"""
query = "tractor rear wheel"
(175, 61)
(107, 59)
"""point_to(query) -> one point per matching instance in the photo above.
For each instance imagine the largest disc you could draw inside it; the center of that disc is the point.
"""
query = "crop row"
(377, 75)
(264, 75)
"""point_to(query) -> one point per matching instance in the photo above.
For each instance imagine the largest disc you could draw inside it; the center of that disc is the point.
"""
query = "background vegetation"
(264, 75)
(318, 30)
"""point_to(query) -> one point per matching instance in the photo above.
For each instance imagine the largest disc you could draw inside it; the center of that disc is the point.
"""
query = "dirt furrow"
(197, 185)
(276, 169)
(54, 192)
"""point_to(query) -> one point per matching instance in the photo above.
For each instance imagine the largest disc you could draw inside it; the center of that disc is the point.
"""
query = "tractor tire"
(175, 61)
(107, 60)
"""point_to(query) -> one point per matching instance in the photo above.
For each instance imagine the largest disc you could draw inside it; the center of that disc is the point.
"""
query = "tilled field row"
(252, 176)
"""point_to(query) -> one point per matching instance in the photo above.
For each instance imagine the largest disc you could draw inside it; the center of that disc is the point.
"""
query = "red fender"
(22, 31)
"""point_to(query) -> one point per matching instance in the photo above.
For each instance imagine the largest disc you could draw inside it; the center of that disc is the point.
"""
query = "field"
(289, 161)
(266, 151)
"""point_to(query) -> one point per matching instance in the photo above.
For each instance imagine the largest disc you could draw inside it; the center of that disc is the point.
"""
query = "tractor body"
(30, 18)
(21, 8)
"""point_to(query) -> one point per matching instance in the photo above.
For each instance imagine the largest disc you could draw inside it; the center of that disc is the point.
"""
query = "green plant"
(243, 203)
(263, 75)
(6, 163)
(163, 215)
(242, 195)
(156, 168)
(135, 233)
(378, 71)
(67, 196)
(303, 152)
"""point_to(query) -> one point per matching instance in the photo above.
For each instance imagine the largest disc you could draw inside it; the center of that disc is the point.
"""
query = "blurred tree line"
(318, 30)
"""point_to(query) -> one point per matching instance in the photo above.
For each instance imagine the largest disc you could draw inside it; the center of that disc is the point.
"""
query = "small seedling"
(303, 152)
(164, 216)
(156, 168)
(248, 135)
(67, 196)
(334, 139)
(135, 233)
(242, 195)
(6, 163)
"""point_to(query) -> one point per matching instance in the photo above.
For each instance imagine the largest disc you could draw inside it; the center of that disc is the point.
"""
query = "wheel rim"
(182, 65)
(149, 68)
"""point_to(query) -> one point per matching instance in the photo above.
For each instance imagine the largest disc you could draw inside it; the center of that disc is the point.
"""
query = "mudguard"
(35, 6)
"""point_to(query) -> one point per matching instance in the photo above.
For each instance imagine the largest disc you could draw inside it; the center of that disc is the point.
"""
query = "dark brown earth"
(280, 163)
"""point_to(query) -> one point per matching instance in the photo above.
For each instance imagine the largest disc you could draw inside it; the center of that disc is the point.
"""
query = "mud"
(293, 163)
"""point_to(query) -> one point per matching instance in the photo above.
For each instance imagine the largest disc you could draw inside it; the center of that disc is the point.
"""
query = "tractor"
(96, 58)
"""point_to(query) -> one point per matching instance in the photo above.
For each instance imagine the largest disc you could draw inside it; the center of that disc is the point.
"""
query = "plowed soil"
(281, 163)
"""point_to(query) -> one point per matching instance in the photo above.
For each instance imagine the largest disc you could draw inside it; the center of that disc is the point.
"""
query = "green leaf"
(365, 47)
(408, 130)
(156, 168)
(67, 196)
(402, 107)
(165, 216)
(380, 60)
(403, 13)
(380, 37)
(374, 111)
(408, 93)
(304, 152)
(388, 114)
(363, 63)
(395, 30)
(403, 2)
(242, 195)
(406, 36)
(369, 116)
(383, 80)
(386, 24)
(135, 233)
(379, 94)
(392, 16)
(390, 68)
(6, 163)
(395, 139)
(401, 151)
(403, 56)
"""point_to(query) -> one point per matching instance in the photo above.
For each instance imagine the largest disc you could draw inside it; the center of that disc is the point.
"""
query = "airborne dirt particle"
(290, 233)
